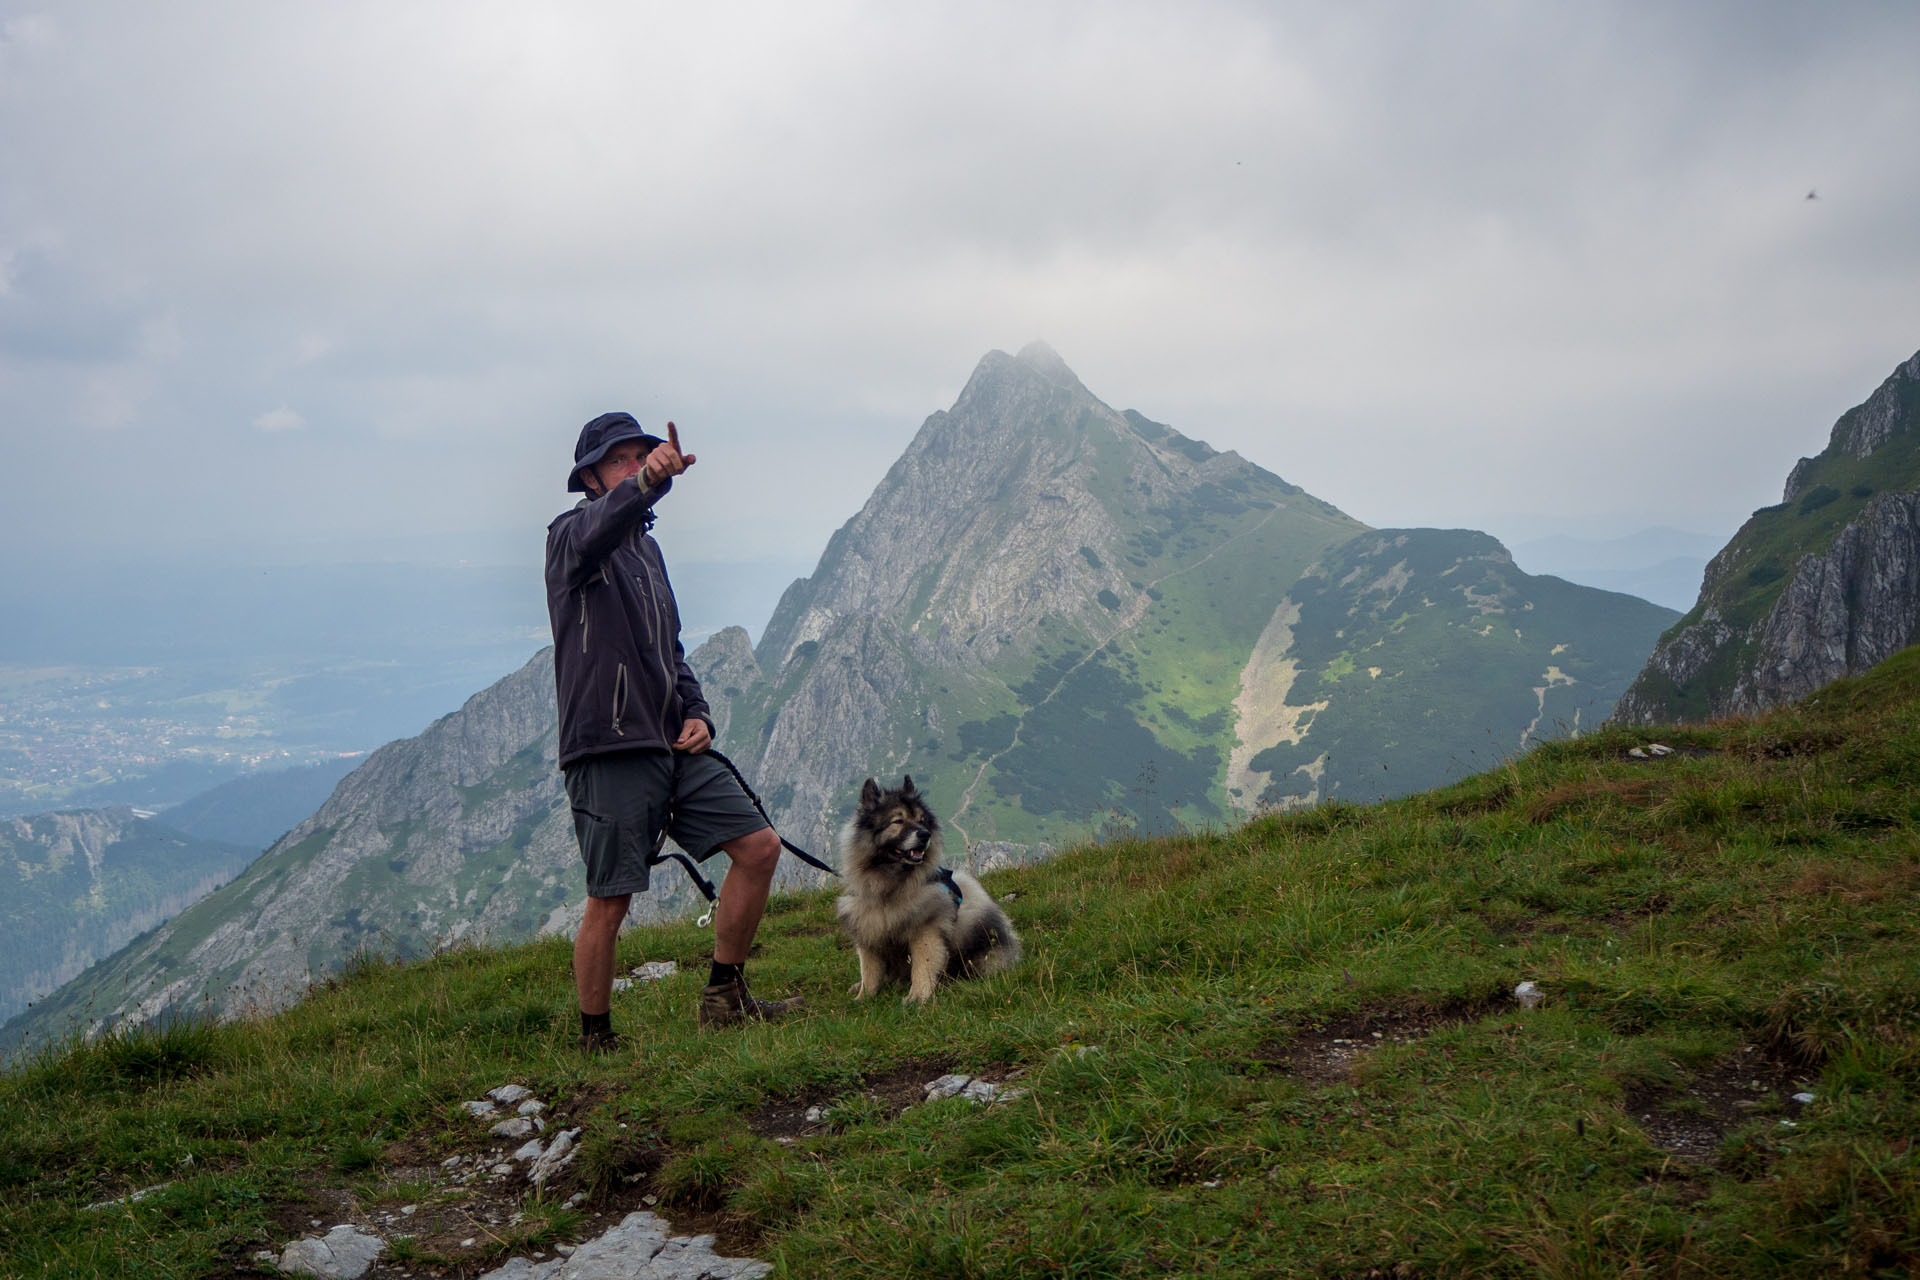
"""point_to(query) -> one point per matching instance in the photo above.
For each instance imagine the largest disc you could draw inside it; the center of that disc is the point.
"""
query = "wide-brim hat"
(598, 436)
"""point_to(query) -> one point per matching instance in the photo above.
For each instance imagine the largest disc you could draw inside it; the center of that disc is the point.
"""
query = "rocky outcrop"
(1825, 585)
(1842, 612)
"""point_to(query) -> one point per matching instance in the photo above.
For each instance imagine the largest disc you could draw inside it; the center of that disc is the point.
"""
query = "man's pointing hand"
(666, 461)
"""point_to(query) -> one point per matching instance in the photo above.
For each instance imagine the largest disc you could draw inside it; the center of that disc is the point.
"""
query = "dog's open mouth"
(914, 856)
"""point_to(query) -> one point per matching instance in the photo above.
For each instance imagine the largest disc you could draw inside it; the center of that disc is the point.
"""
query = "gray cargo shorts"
(620, 803)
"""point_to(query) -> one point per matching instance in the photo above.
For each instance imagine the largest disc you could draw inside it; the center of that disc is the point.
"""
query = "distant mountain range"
(1059, 617)
(1660, 564)
(1822, 585)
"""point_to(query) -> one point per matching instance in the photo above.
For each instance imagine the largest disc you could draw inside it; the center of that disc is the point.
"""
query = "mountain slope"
(75, 887)
(1407, 657)
(259, 808)
(1823, 585)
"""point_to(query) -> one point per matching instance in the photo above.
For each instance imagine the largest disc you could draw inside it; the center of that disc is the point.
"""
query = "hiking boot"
(728, 1004)
(600, 1042)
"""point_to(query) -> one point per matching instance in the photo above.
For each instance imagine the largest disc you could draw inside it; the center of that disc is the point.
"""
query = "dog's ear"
(869, 794)
(906, 785)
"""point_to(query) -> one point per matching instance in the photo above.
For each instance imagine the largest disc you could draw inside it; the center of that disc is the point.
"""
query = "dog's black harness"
(659, 855)
(945, 876)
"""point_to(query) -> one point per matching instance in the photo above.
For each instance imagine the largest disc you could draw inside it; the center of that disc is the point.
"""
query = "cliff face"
(1824, 585)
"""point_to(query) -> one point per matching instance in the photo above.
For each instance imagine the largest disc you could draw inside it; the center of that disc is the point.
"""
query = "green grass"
(1195, 1028)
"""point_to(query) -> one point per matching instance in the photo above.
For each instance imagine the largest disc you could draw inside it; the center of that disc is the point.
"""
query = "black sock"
(596, 1024)
(725, 973)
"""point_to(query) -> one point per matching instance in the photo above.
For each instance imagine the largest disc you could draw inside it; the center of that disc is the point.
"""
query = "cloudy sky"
(282, 278)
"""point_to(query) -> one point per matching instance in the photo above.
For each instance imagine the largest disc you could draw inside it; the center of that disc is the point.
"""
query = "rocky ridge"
(1824, 585)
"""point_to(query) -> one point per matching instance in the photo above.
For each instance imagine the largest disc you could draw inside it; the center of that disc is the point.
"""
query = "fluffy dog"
(897, 907)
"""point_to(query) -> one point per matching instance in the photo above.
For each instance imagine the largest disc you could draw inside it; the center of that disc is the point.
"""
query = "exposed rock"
(559, 1154)
(640, 1248)
(344, 1253)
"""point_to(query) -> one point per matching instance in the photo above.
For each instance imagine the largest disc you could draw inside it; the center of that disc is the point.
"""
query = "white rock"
(654, 970)
(1638, 753)
(479, 1110)
(517, 1127)
(816, 1114)
(639, 1248)
(946, 1086)
(1008, 1095)
(408, 1210)
(558, 1156)
(502, 1170)
(510, 1093)
(623, 984)
(344, 1253)
(451, 1162)
(532, 1151)
(1803, 1098)
(532, 1107)
(136, 1197)
(980, 1090)
(1658, 749)
(1528, 994)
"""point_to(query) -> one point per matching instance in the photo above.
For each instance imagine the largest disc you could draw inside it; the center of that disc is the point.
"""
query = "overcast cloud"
(278, 275)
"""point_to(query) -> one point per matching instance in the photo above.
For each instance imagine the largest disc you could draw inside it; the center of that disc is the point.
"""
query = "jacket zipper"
(619, 696)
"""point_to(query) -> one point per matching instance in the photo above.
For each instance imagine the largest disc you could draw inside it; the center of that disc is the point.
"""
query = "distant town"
(66, 733)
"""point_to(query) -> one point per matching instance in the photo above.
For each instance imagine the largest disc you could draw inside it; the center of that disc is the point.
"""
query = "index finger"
(673, 437)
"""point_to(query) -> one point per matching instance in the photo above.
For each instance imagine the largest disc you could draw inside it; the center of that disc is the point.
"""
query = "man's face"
(620, 462)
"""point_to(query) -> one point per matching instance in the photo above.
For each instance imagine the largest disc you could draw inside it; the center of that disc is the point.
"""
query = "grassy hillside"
(1287, 1049)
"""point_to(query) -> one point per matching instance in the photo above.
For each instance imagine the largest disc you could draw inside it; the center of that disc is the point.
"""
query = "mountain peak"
(1045, 361)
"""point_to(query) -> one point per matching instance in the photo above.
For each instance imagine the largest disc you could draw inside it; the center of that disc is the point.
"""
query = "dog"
(897, 908)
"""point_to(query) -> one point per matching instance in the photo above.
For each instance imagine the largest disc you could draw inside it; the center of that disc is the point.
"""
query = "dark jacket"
(621, 675)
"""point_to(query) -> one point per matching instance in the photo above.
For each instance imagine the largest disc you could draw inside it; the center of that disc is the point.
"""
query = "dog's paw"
(857, 991)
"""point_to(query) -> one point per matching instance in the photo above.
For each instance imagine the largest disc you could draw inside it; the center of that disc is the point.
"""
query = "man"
(634, 727)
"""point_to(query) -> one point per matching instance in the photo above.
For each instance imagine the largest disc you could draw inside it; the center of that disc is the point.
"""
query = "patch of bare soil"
(1692, 1120)
(896, 1089)
(1326, 1053)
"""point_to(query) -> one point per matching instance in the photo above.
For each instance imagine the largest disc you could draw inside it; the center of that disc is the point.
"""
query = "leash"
(705, 885)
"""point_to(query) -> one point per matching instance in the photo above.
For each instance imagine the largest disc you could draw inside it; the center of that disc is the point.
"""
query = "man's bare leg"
(743, 894)
(593, 951)
(736, 918)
